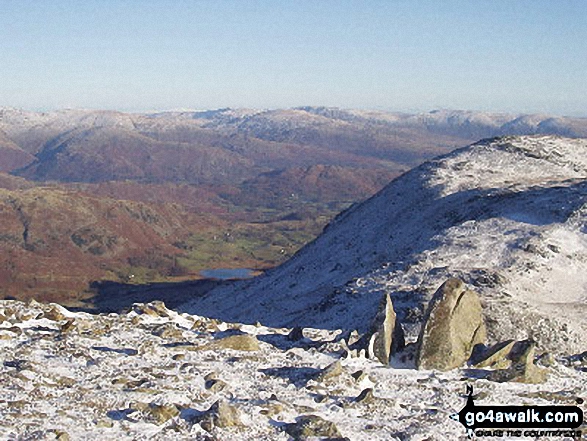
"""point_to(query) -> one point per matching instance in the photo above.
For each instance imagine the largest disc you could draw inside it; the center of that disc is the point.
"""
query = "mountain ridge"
(491, 211)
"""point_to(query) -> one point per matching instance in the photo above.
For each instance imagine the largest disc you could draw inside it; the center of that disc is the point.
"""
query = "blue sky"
(494, 55)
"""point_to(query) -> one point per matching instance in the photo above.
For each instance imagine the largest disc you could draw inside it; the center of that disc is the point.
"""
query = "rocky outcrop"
(453, 325)
(386, 336)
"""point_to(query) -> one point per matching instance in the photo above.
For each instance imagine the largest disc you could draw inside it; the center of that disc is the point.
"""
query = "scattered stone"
(61, 435)
(54, 313)
(271, 409)
(215, 385)
(19, 365)
(546, 360)
(365, 397)
(205, 325)
(359, 375)
(386, 336)
(241, 342)
(307, 426)
(167, 330)
(211, 376)
(320, 398)
(14, 329)
(330, 371)
(155, 309)
(221, 414)
(68, 326)
(296, 334)
(522, 369)
(161, 413)
(453, 325)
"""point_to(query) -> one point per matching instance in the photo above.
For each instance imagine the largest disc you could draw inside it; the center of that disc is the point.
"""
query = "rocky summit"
(78, 376)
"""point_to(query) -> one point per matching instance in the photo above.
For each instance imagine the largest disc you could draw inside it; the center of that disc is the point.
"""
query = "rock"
(215, 385)
(241, 342)
(155, 309)
(161, 413)
(307, 426)
(522, 369)
(359, 375)
(330, 371)
(54, 313)
(167, 330)
(495, 357)
(366, 396)
(386, 336)
(68, 326)
(221, 414)
(453, 325)
(296, 334)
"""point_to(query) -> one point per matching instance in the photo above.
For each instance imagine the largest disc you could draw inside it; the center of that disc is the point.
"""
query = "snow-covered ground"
(141, 375)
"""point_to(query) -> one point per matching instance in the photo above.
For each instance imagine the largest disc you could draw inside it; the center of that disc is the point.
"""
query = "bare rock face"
(453, 325)
(386, 336)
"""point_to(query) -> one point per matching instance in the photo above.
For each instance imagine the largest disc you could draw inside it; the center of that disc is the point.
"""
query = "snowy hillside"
(507, 215)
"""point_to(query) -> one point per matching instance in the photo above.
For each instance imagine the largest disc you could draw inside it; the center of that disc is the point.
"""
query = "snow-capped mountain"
(506, 215)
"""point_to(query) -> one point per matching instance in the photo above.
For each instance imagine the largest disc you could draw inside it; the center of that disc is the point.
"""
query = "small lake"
(228, 273)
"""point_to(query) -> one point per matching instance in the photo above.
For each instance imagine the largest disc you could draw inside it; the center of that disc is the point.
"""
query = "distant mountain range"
(264, 181)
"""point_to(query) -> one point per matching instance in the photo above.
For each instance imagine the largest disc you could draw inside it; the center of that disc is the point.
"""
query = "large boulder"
(453, 325)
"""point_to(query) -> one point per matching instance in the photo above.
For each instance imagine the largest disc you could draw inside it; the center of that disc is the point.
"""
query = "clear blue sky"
(495, 55)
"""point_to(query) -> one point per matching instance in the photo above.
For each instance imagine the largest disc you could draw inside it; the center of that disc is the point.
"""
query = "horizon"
(498, 56)
(260, 110)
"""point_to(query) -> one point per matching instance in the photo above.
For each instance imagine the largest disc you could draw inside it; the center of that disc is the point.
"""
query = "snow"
(511, 209)
(87, 383)
(508, 216)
